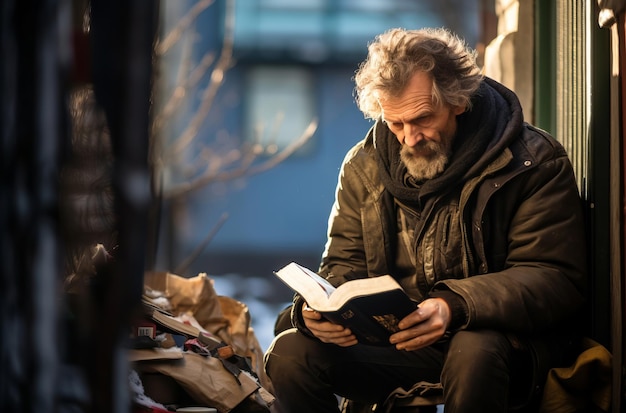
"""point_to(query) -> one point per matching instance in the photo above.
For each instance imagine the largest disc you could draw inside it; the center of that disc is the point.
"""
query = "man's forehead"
(419, 86)
(412, 103)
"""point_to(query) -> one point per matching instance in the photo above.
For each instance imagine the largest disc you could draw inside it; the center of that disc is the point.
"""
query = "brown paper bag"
(206, 380)
(225, 317)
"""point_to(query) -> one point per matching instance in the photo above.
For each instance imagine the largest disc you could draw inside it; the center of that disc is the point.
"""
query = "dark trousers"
(474, 368)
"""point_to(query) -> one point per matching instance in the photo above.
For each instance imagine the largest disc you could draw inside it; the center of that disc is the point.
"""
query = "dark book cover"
(374, 318)
(370, 307)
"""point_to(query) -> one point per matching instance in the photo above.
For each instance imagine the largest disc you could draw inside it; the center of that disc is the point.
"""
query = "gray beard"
(423, 168)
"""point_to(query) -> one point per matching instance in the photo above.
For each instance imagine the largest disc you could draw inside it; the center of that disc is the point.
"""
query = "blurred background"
(205, 136)
(254, 111)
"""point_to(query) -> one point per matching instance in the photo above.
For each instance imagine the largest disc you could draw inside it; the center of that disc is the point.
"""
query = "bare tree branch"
(212, 164)
(181, 91)
(182, 268)
(208, 97)
(182, 26)
(245, 168)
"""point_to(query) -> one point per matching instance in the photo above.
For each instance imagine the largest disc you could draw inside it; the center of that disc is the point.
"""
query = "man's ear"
(457, 110)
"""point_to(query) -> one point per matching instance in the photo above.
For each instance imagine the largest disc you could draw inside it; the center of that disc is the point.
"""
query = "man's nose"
(412, 135)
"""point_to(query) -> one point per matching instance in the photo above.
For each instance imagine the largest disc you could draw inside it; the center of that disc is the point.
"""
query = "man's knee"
(471, 351)
(481, 343)
(281, 350)
(476, 372)
(290, 350)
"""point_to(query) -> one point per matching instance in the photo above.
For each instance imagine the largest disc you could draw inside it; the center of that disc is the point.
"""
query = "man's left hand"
(424, 326)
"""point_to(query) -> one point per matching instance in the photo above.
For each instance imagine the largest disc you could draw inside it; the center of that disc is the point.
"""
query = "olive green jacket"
(509, 239)
(521, 222)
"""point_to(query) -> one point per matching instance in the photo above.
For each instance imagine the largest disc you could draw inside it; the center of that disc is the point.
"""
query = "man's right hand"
(326, 331)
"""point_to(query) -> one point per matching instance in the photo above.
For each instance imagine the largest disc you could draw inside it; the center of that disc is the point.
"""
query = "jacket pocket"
(441, 247)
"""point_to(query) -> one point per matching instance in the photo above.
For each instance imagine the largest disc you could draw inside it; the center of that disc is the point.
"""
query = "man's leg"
(476, 372)
(306, 374)
(295, 376)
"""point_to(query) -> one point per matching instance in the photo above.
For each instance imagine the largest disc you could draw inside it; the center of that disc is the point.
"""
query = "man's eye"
(422, 119)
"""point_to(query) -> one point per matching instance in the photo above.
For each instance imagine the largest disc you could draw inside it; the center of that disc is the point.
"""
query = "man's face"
(424, 130)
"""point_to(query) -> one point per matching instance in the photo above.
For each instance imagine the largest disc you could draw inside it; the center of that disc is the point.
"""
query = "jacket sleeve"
(543, 279)
(344, 256)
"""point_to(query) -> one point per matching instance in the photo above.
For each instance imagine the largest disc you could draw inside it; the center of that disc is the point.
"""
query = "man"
(475, 213)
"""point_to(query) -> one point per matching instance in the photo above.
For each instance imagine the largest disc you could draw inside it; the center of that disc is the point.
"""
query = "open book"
(370, 307)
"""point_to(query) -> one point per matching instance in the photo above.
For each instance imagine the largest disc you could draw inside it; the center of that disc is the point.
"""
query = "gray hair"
(394, 56)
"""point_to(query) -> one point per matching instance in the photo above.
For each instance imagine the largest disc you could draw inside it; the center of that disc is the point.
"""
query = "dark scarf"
(478, 141)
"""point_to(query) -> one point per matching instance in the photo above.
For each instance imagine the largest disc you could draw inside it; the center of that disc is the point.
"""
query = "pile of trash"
(193, 347)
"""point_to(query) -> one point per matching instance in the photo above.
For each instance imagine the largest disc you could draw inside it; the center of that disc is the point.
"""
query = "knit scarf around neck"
(477, 131)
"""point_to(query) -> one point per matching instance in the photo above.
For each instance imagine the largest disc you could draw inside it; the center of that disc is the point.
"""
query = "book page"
(362, 287)
(323, 296)
(324, 285)
(307, 283)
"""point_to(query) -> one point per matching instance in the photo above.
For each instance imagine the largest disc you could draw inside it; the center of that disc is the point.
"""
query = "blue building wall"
(281, 214)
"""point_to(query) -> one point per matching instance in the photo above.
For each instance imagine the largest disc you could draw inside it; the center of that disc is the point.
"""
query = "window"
(280, 105)
(317, 31)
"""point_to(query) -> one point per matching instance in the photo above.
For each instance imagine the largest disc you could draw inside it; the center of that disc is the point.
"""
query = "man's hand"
(326, 331)
(424, 326)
